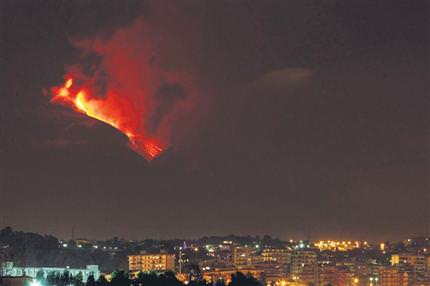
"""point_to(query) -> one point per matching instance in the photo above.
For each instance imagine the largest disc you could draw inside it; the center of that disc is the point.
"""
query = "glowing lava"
(111, 110)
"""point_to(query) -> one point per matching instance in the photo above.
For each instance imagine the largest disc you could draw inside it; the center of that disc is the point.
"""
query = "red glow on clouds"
(109, 111)
(124, 84)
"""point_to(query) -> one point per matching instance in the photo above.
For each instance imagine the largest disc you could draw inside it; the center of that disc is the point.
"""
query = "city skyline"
(74, 236)
(210, 261)
(297, 119)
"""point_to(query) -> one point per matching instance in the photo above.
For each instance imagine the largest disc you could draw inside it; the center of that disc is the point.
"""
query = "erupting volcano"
(126, 82)
(106, 110)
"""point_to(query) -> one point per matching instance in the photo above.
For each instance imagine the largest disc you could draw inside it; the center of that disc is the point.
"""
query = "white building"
(8, 269)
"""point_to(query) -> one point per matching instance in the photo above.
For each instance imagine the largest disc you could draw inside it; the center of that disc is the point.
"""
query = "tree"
(78, 279)
(58, 279)
(120, 278)
(40, 276)
(168, 279)
(239, 279)
(50, 278)
(102, 281)
(90, 281)
(65, 278)
(199, 283)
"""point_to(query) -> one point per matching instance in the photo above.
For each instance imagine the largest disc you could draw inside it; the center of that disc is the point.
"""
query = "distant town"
(33, 259)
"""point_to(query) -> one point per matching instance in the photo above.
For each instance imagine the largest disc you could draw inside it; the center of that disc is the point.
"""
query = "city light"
(305, 264)
(334, 245)
(35, 283)
(253, 143)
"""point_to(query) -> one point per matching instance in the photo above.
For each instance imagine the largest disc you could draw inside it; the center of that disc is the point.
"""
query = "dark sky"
(312, 121)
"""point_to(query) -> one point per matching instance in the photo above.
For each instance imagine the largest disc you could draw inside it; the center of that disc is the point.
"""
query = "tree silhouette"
(102, 281)
(65, 278)
(120, 278)
(77, 280)
(90, 281)
(50, 278)
(199, 283)
(40, 276)
(239, 279)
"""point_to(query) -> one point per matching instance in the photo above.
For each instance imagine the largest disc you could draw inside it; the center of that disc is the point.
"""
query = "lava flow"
(111, 110)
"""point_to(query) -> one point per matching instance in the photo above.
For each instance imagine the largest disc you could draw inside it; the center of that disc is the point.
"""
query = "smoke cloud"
(133, 80)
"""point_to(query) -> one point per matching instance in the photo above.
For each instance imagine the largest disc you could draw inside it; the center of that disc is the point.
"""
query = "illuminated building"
(276, 255)
(365, 271)
(243, 255)
(414, 265)
(392, 276)
(151, 262)
(272, 272)
(8, 269)
(428, 267)
(274, 262)
(339, 276)
(345, 278)
(328, 275)
(304, 266)
(417, 262)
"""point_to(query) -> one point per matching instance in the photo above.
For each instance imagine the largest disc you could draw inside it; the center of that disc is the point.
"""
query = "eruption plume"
(123, 82)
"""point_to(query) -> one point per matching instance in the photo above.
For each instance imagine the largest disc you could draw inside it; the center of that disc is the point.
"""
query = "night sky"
(310, 120)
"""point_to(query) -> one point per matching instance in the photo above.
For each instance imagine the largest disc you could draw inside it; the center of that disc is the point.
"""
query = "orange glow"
(110, 112)
(80, 103)
(152, 149)
(64, 92)
(68, 83)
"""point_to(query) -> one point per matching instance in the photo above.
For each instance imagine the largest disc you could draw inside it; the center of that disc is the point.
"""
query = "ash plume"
(132, 81)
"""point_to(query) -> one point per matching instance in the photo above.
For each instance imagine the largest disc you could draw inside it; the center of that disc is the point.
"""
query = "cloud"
(132, 80)
(286, 77)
